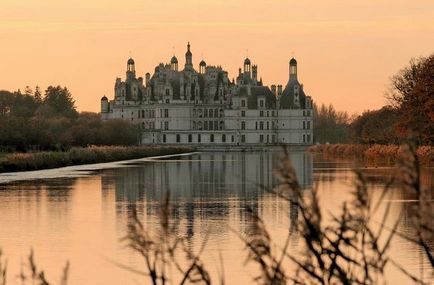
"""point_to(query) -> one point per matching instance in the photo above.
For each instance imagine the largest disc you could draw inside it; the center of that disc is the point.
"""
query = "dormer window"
(243, 103)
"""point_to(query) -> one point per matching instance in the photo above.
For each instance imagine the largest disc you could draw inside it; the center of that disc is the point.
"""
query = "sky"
(346, 50)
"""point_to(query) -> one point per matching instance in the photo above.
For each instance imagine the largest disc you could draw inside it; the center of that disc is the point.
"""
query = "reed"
(372, 153)
(79, 155)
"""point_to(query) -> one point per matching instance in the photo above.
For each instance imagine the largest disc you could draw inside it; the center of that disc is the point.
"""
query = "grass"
(76, 156)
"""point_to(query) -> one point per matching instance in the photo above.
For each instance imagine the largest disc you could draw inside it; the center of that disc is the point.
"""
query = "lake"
(82, 215)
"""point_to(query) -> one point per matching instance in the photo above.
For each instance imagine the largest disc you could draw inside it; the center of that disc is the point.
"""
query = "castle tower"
(247, 66)
(188, 57)
(292, 68)
(174, 63)
(202, 67)
(131, 69)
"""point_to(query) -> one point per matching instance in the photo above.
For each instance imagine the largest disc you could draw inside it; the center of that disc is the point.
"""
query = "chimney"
(273, 90)
(148, 79)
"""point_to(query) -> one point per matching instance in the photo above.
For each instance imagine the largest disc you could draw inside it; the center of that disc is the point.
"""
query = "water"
(82, 216)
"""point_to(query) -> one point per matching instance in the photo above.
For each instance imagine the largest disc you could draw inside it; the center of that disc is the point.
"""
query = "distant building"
(204, 107)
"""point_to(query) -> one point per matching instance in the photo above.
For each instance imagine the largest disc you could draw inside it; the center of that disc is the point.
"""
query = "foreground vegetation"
(78, 155)
(372, 153)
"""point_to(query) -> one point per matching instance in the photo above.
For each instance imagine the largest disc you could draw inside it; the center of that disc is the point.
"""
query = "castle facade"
(204, 106)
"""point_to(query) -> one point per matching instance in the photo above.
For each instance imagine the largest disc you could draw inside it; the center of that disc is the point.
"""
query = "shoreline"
(372, 153)
(75, 171)
(19, 162)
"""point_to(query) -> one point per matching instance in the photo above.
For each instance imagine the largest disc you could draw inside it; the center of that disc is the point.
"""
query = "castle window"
(198, 138)
(138, 114)
(216, 113)
(261, 103)
(308, 113)
(216, 125)
(221, 125)
(190, 138)
(304, 125)
(194, 125)
(211, 138)
(304, 138)
(256, 125)
(268, 125)
(243, 125)
(308, 125)
(167, 92)
(261, 125)
(166, 113)
(211, 113)
(166, 125)
(243, 138)
(164, 138)
(223, 138)
(167, 101)
(261, 113)
(243, 103)
(205, 113)
(211, 126)
(206, 125)
(232, 138)
(261, 138)
(308, 138)
(143, 114)
(243, 113)
(178, 138)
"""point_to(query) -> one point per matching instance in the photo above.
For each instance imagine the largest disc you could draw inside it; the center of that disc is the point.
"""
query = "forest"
(32, 121)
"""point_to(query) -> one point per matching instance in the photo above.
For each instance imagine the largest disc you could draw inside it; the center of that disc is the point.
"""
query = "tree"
(58, 101)
(412, 93)
(330, 126)
(378, 126)
(38, 94)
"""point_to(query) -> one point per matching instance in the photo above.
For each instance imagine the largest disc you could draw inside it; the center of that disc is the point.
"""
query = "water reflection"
(82, 219)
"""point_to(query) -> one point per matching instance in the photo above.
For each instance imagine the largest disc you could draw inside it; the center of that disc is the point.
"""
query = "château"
(204, 106)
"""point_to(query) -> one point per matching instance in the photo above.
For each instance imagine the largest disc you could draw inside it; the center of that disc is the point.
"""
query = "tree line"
(409, 116)
(31, 120)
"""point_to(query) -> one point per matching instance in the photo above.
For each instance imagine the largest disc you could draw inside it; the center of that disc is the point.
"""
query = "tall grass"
(372, 153)
(77, 155)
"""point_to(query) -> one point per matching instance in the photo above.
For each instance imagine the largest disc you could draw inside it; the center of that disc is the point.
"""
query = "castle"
(205, 107)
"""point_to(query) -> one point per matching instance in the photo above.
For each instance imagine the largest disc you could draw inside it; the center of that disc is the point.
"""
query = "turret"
(202, 67)
(104, 104)
(174, 63)
(131, 69)
(292, 68)
(188, 57)
(247, 66)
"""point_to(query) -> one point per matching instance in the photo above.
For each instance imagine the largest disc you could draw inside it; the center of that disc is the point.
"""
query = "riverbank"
(77, 156)
(372, 153)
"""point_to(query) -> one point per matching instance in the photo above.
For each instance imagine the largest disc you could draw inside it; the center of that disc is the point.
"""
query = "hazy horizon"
(346, 51)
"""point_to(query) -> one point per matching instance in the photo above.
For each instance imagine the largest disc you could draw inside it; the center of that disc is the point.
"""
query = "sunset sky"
(346, 50)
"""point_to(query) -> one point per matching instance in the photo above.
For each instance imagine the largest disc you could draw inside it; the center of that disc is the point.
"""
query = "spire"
(188, 57)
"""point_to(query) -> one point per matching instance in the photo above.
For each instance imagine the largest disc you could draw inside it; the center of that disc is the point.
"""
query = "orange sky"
(346, 50)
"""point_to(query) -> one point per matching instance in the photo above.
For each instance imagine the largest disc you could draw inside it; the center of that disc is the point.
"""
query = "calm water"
(82, 219)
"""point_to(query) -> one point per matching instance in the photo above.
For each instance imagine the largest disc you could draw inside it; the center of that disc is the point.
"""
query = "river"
(81, 214)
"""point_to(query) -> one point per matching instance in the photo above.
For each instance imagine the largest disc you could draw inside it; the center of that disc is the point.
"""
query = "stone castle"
(205, 107)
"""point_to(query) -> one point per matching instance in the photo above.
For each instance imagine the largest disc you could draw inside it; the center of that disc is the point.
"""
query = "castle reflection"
(205, 186)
